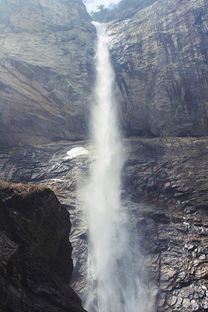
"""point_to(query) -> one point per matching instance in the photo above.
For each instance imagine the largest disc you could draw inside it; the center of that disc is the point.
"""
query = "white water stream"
(113, 285)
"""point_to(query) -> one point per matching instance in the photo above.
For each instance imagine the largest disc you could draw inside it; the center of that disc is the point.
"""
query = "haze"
(93, 4)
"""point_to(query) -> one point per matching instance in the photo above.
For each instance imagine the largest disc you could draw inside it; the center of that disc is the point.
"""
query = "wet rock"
(171, 231)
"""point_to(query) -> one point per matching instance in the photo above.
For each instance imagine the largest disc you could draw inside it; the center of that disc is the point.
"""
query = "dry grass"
(21, 188)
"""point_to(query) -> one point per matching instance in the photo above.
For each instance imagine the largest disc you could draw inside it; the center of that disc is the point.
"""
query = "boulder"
(35, 252)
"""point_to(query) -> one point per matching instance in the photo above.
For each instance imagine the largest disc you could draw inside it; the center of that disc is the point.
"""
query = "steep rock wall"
(170, 176)
(160, 55)
(35, 253)
(45, 70)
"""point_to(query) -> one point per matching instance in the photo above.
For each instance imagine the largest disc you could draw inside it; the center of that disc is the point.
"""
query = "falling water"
(112, 283)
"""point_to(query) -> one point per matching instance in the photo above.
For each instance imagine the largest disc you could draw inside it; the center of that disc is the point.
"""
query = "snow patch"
(76, 152)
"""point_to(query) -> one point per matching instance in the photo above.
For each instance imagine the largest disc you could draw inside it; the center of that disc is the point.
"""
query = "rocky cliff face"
(165, 191)
(160, 55)
(35, 253)
(45, 70)
(160, 58)
(171, 175)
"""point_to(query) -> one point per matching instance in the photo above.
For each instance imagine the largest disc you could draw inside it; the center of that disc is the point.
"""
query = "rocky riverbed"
(165, 190)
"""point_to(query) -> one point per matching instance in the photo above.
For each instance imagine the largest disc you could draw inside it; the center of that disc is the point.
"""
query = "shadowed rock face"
(35, 253)
(160, 56)
(165, 190)
(172, 174)
(45, 70)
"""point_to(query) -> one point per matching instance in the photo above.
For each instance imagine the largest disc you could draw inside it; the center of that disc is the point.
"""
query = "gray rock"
(160, 58)
(46, 70)
(171, 232)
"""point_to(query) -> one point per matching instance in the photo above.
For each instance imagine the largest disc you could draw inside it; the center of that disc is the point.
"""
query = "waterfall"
(112, 283)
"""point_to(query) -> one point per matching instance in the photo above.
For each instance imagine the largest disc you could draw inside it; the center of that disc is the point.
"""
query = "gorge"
(159, 53)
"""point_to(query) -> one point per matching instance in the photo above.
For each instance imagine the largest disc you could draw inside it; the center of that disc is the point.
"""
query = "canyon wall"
(160, 55)
(46, 73)
(166, 195)
(45, 70)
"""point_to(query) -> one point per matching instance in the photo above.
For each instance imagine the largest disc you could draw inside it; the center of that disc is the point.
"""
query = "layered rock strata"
(45, 70)
(160, 55)
(171, 174)
(165, 191)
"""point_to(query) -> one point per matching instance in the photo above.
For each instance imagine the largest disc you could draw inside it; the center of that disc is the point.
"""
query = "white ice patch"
(76, 152)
